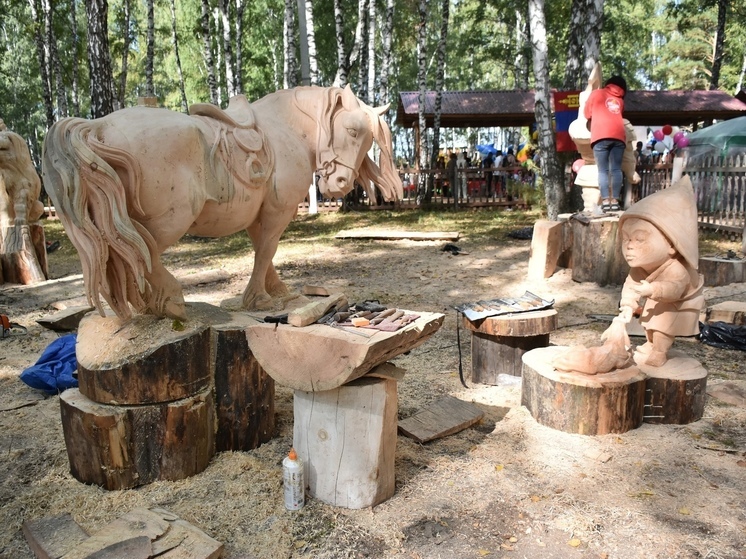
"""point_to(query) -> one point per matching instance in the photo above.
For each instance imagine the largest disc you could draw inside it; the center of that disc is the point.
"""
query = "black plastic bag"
(723, 335)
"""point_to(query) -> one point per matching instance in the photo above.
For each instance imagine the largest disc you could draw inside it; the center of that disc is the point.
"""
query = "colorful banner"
(566, 104)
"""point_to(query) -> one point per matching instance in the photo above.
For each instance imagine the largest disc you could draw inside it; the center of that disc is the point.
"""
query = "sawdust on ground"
(507, 487)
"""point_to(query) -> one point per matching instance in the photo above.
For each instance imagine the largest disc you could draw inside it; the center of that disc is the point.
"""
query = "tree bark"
(149, 89)
(54, 59)
(340, 80)
(175, 40)
(74, 62)
(125, 53)
(207, 52)
(230, 79)
(99, 59)
(573, 78)
(592, 37)
(41, 53)
(717, 57)
(291, 63)
(551, 172)
(362, 51)
(439, 79)
(371, 89)
(313, 62)
(422, 87)
(387, 33)
(240, 8)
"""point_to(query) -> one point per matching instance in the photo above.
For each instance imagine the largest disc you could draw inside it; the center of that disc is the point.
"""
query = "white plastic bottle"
(292, 479)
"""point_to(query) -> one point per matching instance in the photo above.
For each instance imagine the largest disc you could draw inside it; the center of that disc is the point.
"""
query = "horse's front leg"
(264, 282)
(165, 296)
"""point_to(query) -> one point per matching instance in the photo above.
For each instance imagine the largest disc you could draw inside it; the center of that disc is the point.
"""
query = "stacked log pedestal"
(597, 256)
(499, 342)
(153, 394)
(614, 402)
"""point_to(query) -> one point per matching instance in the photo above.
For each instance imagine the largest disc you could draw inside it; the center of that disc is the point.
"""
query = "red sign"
(566, 104)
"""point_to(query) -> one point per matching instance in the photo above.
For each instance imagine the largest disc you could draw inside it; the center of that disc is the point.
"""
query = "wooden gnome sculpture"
(660, 244)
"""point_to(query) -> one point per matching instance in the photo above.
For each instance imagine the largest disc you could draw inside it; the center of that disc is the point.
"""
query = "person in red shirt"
(604, 110)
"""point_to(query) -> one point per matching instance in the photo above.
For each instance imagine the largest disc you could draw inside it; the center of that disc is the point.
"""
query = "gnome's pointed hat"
(674, 212)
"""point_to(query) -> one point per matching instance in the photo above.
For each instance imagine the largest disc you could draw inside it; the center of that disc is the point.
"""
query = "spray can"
(292, 480)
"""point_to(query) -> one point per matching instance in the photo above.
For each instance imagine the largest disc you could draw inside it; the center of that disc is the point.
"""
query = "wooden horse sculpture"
(131, 184)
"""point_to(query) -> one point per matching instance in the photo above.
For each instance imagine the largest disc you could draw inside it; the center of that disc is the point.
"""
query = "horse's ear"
(380, 111)
(349, 100)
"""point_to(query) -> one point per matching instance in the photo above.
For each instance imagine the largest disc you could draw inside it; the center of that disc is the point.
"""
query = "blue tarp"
(53, 372)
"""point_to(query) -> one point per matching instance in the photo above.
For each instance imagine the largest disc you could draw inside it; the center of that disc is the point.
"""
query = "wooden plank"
(395, 235)
(53, 536)
(444, 417)
(136, 547)
(546, 248)
(728, 392)
(64, 320)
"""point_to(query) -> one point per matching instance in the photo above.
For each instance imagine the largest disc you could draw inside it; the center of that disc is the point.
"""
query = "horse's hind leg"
(264, 283)
(165, 297)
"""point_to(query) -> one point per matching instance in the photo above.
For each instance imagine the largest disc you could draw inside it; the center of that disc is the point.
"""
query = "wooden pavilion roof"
(482, 109)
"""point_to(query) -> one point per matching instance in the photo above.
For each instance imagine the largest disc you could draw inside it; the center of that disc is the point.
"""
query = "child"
(660, 243)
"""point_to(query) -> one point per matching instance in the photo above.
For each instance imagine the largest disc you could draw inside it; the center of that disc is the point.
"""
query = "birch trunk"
(175, 40)
(362, 51)
(551, 171)
(439, 82)
(313, 62)
(340, 80)
(99, 59)
(54, 59)
(573, 78)
(422, 192)
(717, 56)
(207, 52)
(41, 53)
(592, 37)
(74, 62)
(371, 90)
(230, 80)
(240, 8)
(387, 32)
(125, 54)
(149, 89)
(291, 63)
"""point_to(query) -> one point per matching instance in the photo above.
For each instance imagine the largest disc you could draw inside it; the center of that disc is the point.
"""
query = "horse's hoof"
(261, 302)
(175, 310)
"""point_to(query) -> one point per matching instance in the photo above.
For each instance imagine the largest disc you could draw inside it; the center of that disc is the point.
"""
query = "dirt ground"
(505, 488)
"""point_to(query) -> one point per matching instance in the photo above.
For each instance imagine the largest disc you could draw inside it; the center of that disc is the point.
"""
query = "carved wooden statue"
(131, 184)
(587, 176)
(23, 257)
(660, 243)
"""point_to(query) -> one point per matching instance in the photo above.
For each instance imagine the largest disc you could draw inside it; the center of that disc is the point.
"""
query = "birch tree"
(99, 59)
(41, 53)
(175, 42)
(150, 50)
(240, 9)
(422, 88)
(74, 67)
(387, 33)
(439, 81)
(313, 62)
(230, 80)
(551, 172)
(291, 60)
(718, 51)
(127, 36)
(212, 82)
(347, 59)
(54, 59)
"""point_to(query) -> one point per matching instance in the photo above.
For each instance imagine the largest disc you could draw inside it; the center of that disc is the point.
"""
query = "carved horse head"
(346, 130)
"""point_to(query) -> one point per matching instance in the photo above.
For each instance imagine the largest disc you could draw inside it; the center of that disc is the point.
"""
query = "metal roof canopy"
(484, 109)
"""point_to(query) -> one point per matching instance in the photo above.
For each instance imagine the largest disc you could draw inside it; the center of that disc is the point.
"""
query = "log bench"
(499, 342)
(345, 402)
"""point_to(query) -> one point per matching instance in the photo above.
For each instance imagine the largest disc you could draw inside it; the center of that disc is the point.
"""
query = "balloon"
(677, 137)
(577, 164)
(658, 135)
(683, 142)
(660, 147)
(667, 129)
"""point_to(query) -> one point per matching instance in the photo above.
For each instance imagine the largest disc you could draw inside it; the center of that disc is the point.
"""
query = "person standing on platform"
(604, 110)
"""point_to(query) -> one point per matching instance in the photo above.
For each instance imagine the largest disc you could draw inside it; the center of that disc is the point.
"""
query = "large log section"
(578, 403)
(596, 254)
(319, 357)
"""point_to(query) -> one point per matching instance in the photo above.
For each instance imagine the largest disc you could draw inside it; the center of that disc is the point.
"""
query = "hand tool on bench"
(311, 312)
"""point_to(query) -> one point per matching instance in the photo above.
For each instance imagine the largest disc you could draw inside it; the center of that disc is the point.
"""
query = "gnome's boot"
(661, 344)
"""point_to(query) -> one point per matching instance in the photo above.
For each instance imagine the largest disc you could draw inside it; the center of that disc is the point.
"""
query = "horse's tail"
(91, 200)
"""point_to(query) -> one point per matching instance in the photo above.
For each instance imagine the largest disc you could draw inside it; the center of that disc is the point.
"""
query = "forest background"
(87, 58)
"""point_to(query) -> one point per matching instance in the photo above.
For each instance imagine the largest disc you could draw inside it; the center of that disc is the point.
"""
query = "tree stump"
(23, 254)
(546, 249)
(120, 447)
(144, 361)
(578, 403)
(722, 271)
(244, 393)
(597, 256)
(499, 342)
(676, 392)
(346, 438)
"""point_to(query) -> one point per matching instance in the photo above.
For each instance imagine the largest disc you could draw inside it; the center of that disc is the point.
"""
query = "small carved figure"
(131, 184)
(660, 243)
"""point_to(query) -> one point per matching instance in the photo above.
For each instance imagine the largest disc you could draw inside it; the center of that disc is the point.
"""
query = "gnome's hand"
(626, 313)
(643, 289)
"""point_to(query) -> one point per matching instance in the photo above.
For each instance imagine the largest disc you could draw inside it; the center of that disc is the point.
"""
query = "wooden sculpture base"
(578, 403)
(676, 392)
(346, 438)
(23, 254)
(499, 342)
(144, 372)
(597, 256)
(120, 447)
